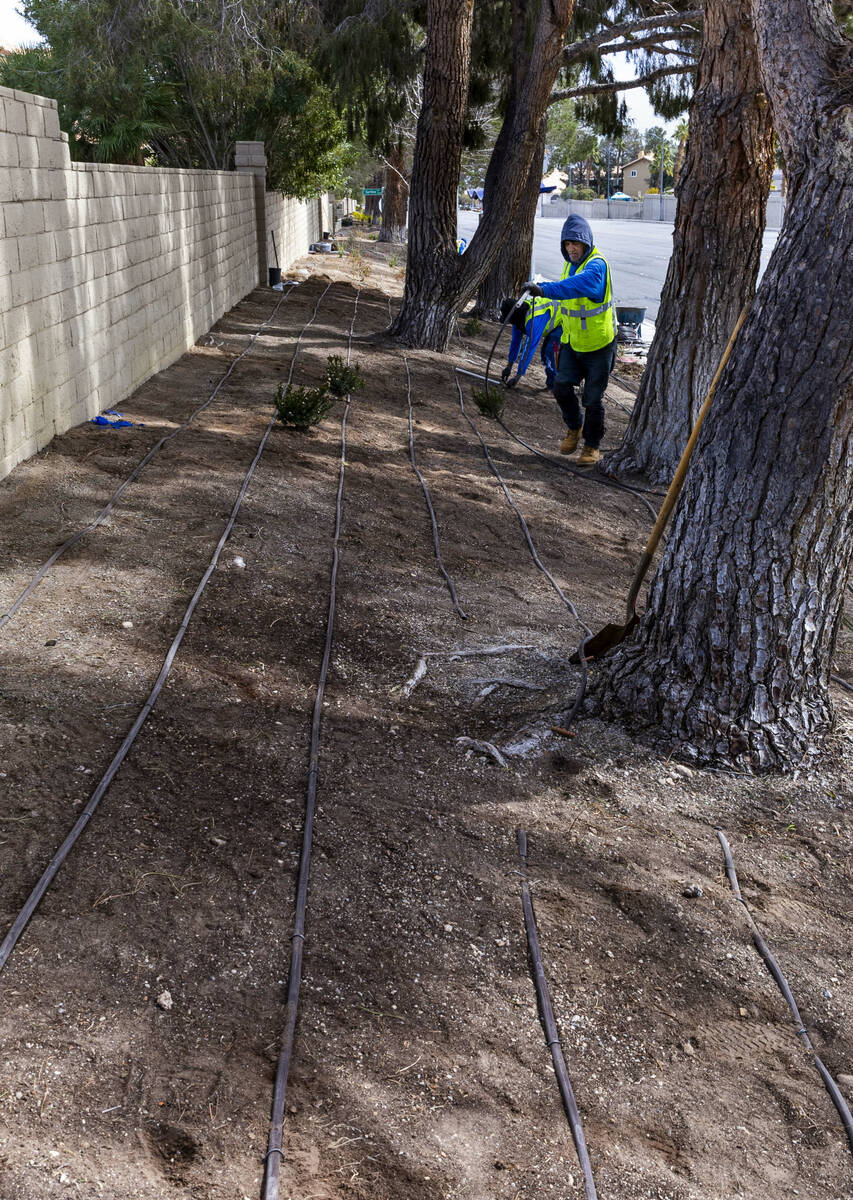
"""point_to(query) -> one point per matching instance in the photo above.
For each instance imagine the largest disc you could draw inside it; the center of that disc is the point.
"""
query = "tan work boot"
(588, 457)
(570, 442)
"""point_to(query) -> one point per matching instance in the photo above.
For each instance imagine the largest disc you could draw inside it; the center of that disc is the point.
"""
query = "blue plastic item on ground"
(104, 419)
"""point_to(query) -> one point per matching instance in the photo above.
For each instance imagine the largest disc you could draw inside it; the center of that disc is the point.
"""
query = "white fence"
(648, 209)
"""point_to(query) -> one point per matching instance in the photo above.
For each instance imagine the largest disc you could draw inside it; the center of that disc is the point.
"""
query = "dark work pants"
(592, 368)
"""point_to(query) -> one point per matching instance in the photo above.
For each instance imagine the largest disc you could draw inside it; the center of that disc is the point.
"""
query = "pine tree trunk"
(439, 282)
(395, 198)
(722, 201)
(425, 318)
(511, 269)
(732, 657)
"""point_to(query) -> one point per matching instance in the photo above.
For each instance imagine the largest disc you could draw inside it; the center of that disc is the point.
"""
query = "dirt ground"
(420, 1068)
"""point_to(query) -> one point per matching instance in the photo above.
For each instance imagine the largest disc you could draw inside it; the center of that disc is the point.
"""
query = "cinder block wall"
(110, 273)
(294, 227)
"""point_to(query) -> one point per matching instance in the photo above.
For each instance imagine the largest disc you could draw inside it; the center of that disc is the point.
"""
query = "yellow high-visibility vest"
(588, 325)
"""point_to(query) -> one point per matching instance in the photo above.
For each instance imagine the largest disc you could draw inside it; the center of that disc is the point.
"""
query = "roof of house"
(643, 158)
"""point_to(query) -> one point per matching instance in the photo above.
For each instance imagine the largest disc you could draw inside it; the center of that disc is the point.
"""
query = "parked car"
(622, 196)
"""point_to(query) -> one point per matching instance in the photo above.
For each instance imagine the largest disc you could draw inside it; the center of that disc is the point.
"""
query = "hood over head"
(576, 229)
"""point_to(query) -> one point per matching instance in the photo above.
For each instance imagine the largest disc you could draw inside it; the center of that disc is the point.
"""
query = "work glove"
(533, 289)
(506, 372)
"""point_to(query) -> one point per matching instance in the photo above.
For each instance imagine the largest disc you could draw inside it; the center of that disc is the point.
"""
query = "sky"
(639, 109)
(14, 30)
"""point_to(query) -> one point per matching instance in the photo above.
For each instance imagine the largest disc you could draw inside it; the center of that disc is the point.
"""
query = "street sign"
(371, 191)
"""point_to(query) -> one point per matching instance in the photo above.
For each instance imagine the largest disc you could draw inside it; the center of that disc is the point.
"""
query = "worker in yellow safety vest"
(588, 348)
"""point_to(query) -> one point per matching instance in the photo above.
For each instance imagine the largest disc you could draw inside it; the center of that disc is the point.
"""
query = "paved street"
(638, 252)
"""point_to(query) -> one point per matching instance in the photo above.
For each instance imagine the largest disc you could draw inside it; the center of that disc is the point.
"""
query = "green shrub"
(490, 402)
(472, 327)
(300, 408)
(341, 378)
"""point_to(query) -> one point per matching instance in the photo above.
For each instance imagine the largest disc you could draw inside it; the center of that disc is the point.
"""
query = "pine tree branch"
(649, 43)
(391, 167)
(374, 11)
(624, 85)
(578, 50)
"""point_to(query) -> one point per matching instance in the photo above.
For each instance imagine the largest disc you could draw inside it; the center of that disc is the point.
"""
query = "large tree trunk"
(722, 202)
(396, 196)
(732, 657)
(424, 318)
(511, 269)
(439, 282)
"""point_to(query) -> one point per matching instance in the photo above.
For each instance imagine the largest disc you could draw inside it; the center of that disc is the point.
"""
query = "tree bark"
(722, 201)
(439, 282)
(511, 269)
(396, 196)
(732, 658)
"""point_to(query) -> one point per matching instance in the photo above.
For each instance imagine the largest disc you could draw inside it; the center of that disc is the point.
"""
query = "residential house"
(637, 176)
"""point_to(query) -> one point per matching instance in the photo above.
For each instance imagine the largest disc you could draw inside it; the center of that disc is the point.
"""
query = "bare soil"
(420, 1069)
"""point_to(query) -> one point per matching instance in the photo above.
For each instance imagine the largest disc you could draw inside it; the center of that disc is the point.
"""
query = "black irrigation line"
(450, 585)
(627, 384)
(581, 692)
(782, 983)
(274, 1155)
(546, 1013)
(591, 477)
(23, 917)
(6, 617)
(842, 682)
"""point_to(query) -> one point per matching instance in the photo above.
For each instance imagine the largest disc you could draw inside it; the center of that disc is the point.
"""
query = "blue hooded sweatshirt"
(592, 281)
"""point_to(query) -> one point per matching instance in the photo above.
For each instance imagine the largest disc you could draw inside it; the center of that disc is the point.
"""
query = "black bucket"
(275, 276)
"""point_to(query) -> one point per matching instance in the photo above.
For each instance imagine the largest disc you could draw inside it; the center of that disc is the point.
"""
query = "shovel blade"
(606, 639)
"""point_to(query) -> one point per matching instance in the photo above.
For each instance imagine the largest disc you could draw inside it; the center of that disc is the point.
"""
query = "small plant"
(300, 407)
(392, 260)
(373, 237)
(472, 327)
(341, 379)
(490, 402)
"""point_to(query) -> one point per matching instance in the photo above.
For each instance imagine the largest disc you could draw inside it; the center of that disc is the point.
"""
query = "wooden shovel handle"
(680, 473)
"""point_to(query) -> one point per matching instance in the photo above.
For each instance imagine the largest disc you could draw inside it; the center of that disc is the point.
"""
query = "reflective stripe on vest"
(587, 326)
(583, 313)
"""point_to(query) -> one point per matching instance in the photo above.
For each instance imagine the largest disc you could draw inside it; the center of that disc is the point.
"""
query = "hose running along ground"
(546, 1013)
(6, 617)
(582, 474)
(275, 1153)
(450, 585)
(566, 722)
(782, 983)
(23, 917)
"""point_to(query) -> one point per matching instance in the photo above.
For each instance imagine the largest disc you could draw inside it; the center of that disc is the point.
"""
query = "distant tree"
(682, 130)
(657, 144)
(371, 60)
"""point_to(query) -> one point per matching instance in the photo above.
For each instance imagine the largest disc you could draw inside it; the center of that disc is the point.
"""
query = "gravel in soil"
(144, 1004)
